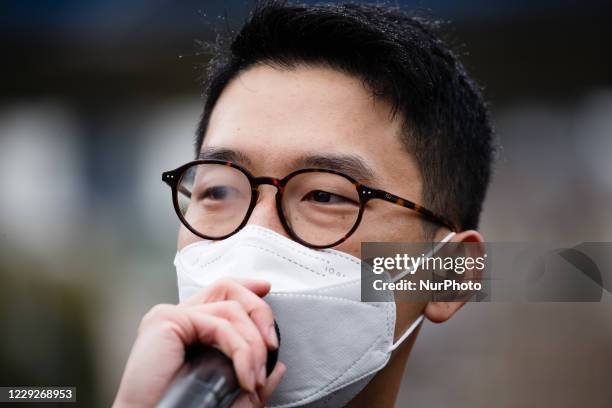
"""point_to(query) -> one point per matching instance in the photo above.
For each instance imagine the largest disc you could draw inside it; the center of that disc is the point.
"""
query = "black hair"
(399, 59)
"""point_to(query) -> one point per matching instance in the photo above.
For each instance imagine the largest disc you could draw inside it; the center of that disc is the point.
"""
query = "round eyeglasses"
(319, 208)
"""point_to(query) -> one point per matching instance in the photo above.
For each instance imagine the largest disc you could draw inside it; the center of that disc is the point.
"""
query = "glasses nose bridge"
(272, 181)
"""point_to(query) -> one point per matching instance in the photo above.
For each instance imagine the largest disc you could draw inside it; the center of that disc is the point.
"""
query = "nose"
(265, 214)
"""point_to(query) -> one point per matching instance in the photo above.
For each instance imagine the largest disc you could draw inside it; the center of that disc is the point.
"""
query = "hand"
(228, 314)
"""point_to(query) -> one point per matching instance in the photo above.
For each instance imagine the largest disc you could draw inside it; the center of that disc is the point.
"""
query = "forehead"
(275, 114)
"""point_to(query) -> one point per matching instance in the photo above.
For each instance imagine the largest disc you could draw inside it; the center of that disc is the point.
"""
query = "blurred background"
(95, 103)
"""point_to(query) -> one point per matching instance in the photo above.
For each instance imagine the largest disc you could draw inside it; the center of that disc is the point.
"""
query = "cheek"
(387, 223)
(384, 223)
(185, 237)
(406, 314)
(351, 246)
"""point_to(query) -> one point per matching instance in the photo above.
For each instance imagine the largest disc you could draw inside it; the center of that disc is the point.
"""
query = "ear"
(439, 312)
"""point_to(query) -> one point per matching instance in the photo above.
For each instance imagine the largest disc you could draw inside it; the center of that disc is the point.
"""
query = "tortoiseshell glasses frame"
(173, 179)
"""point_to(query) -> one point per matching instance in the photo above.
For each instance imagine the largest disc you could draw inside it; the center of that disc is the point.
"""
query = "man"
(364, 94)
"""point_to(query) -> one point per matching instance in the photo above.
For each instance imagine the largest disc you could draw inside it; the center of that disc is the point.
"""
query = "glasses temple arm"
(181, 189)
(383, 195)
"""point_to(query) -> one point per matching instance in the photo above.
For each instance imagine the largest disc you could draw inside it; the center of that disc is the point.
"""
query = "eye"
(325, 197)
(220, 193)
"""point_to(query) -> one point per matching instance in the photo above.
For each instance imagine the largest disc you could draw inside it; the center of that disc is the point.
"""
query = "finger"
(258, 287)
(274, 379)
(254, 400)
(257, 308)
(220, 332)
(234, 312)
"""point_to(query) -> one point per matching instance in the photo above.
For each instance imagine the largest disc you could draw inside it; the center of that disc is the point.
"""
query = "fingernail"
(261, 379)
(272, 337)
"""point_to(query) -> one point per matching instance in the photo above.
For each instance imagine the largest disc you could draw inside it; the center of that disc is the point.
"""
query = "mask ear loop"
(419, 319)
(407, 333)
(429, 254)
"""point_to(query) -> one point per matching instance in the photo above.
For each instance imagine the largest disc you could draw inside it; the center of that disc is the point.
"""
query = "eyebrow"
(352, 165)
(222, 153)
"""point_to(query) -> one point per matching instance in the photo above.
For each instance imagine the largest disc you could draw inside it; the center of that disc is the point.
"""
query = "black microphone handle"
(207, 379)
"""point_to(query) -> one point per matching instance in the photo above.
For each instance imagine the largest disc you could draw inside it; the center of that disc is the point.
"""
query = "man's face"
(278, 120)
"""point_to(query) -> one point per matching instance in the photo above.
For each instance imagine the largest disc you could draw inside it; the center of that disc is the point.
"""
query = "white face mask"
(332, 343)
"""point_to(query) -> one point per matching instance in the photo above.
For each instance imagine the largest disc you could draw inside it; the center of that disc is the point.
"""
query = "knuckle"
(234, 309)
(223, 327)
(234, 305)
(256, 343)
(254, 338)
(167, 326)
(265, 311)
(156, 314)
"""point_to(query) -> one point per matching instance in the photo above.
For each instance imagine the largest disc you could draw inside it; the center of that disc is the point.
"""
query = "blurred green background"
(96, 103)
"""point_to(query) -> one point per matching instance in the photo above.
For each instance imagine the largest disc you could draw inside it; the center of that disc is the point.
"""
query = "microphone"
(207, 379)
